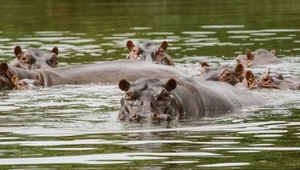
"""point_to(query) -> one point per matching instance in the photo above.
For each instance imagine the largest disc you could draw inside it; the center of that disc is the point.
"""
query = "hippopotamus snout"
(139, 111)
(149, 101)
(152, 117)
(161, 117)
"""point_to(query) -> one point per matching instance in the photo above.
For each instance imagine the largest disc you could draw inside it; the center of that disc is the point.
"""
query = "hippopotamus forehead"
(147, 47)
(34, 52)
(146, 84)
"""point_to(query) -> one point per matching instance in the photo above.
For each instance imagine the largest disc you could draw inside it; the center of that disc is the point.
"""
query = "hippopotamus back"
(106, 72)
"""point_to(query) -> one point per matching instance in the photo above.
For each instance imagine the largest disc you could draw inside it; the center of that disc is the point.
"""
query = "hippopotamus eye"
(23, 59)
(163, 97)
(131, 96)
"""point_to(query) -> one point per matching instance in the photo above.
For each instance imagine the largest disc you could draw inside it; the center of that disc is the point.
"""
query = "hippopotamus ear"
(249, 75)
(14, 79)
(55, 50)
(239, 69)
(124, 85)
(204, 64)
(164, 45)
(130, 45)
(273, 52)
(279, 76)
(3, 68)
(171, 84)
(250, 56)
(37, 77)
(18, 51)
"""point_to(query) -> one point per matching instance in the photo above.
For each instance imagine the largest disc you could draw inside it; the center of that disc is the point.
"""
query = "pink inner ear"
(248, 75)
(37, 77)
(130, 45)
(239, 69)
(14, 79)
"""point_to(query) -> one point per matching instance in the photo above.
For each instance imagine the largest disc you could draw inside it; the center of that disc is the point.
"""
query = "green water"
(75, 127)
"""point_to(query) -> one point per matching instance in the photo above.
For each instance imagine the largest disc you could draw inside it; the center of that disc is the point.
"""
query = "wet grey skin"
(26, 84)
(34, 58)
(149, 52)
(269, 81)
(258, 57)
(110, 72)
(154, 100)
(224, 73)
(29, 84)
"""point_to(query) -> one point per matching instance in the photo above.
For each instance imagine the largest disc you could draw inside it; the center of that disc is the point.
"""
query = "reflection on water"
(75, 127)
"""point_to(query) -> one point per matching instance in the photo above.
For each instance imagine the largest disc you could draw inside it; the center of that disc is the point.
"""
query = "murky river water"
(76, 127)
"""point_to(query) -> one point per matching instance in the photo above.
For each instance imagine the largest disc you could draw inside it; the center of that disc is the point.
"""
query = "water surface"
(76, 127)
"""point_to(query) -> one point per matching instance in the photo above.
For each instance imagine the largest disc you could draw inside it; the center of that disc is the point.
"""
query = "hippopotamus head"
(264, 81)
(149, 52)
(223, 73)
(26, 84)
(258, 57)
(148, 100)
(35, 58)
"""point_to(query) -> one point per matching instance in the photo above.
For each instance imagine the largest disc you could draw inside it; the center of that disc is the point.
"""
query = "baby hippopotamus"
(34, 58)
(149, 52)
(26, 84)
(155, 100)
(268, 81)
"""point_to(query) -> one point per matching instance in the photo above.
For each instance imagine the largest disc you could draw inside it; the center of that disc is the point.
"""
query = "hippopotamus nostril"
(155, 116)
(134, 116)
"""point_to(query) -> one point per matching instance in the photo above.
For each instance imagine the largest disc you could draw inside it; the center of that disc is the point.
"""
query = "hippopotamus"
(26, 84)
(107, 72)
(149, 52)
(34, 58)
(268, 81)
(258, 57)
(224, 73)
(156, 100)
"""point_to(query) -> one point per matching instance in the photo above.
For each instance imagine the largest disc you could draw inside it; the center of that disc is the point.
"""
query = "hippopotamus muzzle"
(148, 101)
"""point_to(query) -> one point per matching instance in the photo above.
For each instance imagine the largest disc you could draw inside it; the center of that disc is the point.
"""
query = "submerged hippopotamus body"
(107, 72)
(258, 57)
(34, 58)
(154, 100)
(222, 73)
(149, 52)
(268, 81)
